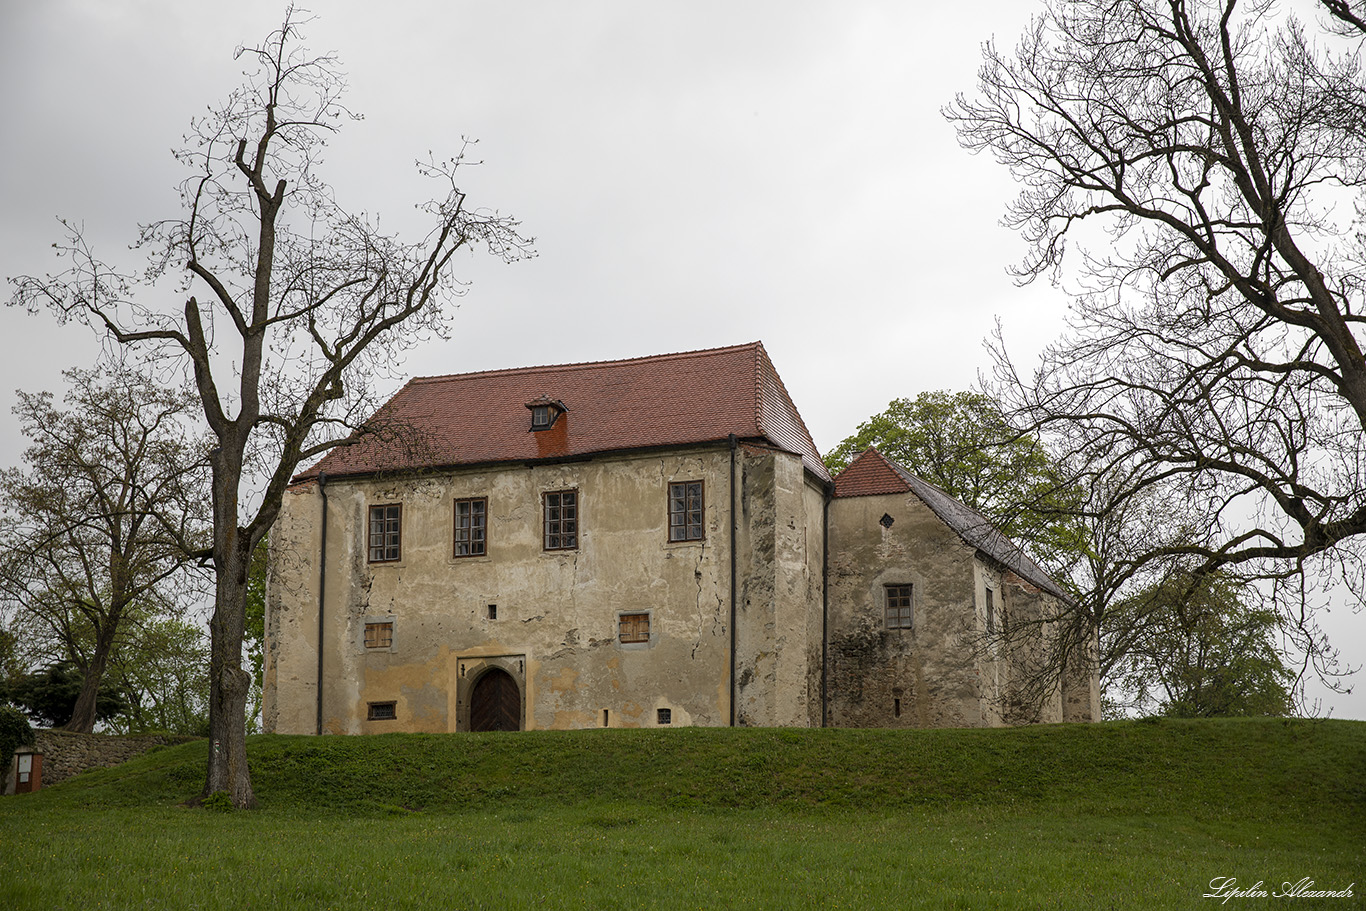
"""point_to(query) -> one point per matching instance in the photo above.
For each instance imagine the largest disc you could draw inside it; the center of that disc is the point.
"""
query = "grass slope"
(1117, 815)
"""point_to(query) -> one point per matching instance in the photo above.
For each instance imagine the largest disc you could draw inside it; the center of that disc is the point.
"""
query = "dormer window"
(544, 412)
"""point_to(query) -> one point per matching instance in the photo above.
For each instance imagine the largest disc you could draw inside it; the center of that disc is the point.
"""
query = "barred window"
(898, 607)
(379, 635)
(386, 524)
(471, 527)
(686, 511)
(634, 627)
(562, 520)
(381, 711)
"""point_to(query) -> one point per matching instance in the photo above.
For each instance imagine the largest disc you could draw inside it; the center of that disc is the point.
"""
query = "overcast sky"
(696, 174)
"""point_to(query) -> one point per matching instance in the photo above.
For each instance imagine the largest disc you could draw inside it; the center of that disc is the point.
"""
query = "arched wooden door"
(496, 703)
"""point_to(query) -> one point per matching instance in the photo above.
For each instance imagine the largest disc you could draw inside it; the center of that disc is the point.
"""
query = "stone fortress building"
(633, 543)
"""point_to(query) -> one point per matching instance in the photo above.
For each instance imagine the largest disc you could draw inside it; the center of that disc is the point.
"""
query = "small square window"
(664, 716)
(686, 511)
(471, 527)
(634, 627)
(381, 711)
(379, 635)
(899, 609)
(561, 522)
(386, 525)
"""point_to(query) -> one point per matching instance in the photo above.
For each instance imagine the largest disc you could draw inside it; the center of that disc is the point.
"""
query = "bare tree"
(298, 306)
(102, 521)
(1205, 157)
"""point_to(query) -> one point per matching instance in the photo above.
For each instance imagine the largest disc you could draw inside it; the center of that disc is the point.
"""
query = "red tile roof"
(646, 402)
(871, 474)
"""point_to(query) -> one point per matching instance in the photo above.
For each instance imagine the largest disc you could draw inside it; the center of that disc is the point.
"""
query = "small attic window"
(544, 412)
(886, 521)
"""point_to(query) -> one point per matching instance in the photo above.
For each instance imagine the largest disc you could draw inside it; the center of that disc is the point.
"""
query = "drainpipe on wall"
(322, 589)
(825, 605)
(734, 447)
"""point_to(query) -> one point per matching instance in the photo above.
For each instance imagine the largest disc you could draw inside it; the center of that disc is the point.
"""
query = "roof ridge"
(584, 365)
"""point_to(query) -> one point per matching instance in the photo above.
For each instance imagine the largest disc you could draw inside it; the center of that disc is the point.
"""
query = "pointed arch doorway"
(496, 702)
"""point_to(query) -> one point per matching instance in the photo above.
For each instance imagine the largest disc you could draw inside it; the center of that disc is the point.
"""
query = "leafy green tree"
(1208, 649)
(101, 520)
(49, 695)
(161, 669)
(255, 635)
(961, 443)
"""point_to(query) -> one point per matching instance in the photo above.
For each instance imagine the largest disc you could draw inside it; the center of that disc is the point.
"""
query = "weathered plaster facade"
(737, 627)
(549, 618)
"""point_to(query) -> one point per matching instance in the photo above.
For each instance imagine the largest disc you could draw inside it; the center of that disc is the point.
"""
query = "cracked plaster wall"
(557, 612)
(929, 669)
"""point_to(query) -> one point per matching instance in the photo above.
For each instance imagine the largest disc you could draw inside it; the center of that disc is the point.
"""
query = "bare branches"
(103, 523)
(284, 309)
(1215, 355)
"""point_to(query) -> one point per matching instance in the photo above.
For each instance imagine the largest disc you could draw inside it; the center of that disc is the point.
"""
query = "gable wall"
(930, 668)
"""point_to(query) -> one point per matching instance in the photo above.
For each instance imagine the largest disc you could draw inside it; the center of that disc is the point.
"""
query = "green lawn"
(1120, 815)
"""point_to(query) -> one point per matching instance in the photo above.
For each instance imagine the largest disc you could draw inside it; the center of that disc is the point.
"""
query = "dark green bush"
(15, 731)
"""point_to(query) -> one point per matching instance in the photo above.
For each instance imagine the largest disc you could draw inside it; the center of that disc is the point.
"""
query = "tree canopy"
(1192, 173)
(962, 443)
(102, 521)
(282, 307)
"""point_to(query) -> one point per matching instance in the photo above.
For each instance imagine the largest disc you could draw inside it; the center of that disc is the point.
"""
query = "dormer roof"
(639, 403)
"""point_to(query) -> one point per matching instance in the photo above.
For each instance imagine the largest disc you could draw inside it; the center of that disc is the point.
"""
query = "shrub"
(15, 731)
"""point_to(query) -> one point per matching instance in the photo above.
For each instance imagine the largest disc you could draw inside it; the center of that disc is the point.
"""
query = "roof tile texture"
(666, 400)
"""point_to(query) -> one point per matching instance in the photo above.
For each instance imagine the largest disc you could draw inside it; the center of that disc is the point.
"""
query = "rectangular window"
(381, 711)
(386, 523)
(685, 511)
(991, 613)
(898, 607)
(634, 627)
(562, 520)
(471, 527)
(379, 635)
(664, 716)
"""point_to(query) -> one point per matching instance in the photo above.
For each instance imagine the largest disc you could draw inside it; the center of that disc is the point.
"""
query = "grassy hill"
(1131, 814)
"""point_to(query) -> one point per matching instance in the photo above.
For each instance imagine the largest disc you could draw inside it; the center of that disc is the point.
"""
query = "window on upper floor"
(561, 523)
(991, 613)
(471, 527)
(686, 510)
(386, 526)
(899, 611)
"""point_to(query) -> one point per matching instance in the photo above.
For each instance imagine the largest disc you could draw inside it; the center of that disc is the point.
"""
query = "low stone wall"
(66, 754)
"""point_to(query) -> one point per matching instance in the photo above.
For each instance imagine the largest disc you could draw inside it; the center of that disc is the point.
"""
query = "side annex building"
(642, 542)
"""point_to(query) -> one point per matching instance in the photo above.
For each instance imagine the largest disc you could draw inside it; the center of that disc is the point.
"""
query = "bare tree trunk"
(83, 715)
(230, 685)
